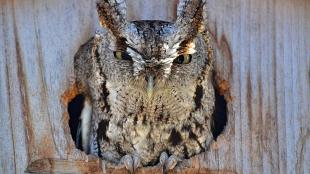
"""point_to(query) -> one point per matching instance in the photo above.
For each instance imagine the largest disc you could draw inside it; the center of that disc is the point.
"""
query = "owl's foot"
(168, 163)
(131, 162)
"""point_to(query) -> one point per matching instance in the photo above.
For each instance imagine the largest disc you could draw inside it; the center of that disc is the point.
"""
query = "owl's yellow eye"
(122, 55)
(183, 59)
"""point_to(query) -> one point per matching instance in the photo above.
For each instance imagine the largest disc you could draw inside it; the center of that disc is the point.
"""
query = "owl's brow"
(135, 50)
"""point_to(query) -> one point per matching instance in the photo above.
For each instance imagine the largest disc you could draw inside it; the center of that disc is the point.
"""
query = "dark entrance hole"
(75, 108)
(219, 115)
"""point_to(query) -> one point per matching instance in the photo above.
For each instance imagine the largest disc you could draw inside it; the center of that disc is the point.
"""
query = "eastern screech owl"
(148, 87)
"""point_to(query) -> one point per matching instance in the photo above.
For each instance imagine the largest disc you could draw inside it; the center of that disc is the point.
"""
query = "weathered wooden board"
(263, 54)
(38, 41)
(268, 67)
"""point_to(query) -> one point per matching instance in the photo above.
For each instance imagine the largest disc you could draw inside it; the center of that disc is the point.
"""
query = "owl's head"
(154, 50)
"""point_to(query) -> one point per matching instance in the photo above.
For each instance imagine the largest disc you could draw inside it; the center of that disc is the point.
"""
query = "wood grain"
(262, 60)
(269, 116)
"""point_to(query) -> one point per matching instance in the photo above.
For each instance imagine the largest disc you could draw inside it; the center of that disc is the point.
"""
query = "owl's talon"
(136, 162)
(168, 163)
(128, 162)
(131, 162)
(163, 158)
(171, 162)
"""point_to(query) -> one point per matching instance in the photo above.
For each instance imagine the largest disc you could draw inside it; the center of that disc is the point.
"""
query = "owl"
(148, 87)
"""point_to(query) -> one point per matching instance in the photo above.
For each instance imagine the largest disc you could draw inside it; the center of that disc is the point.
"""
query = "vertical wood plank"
(38, 42)
(268, 42)
(151, 10)
(13, 140)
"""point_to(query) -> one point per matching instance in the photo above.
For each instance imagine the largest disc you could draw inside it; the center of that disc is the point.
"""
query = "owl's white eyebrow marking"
(135, 55)
(167, 60)
(188, 48)
(135, 50)
(171, 52)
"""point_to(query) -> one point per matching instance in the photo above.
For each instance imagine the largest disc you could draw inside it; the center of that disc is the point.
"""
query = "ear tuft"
(113, 16)
(190, 18)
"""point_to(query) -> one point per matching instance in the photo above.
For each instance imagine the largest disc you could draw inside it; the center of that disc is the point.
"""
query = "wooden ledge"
(95, 166)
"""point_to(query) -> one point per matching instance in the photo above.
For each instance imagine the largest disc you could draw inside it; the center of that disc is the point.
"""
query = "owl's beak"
(150, 86)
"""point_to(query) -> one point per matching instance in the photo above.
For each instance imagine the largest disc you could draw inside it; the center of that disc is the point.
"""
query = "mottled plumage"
(146, 99)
